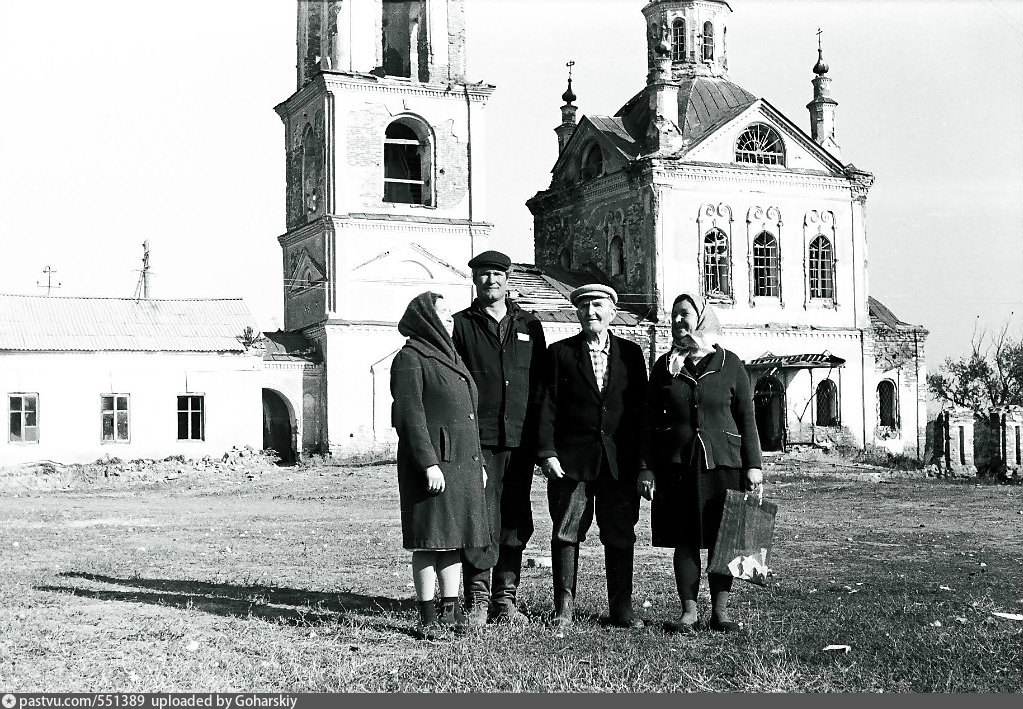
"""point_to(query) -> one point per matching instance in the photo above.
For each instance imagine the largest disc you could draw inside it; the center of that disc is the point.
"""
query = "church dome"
(820, 68)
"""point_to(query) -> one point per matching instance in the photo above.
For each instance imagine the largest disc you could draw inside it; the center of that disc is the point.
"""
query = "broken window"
(593, 163)
(617, 257)
(827, 403)
(114, 418)
(717, 269)
(678, 40)
(24, 418)
(765, 265)
(311, 162)
(401, 42)
(312, 37)
(407, 163)
(761, 145)
(191, 420)
(887, 404)
(708, 41)
(822, 269)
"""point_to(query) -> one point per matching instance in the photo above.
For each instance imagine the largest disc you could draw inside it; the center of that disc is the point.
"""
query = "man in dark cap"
(588, 441)
(503, 347)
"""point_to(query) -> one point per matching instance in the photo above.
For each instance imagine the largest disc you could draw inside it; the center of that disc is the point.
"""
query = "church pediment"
(405, 265)
(305, 271)
(764, 137)
(599, 145)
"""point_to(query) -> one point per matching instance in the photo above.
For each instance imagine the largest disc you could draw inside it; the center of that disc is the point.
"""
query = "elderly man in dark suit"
(588, 442)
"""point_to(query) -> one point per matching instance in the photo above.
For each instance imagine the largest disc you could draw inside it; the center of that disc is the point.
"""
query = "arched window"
(593, 162)
(827, 403)
(565, 258)
(678, 40)
(822, 269)
(761, 145)
(717, 265)
(765, 265)
(616, 255)
(311, 162)
(708, 41)
(407, 163)
(887, 404)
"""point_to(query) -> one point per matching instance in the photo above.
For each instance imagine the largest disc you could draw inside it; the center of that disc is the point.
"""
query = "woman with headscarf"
(699, 440)
(441, 478)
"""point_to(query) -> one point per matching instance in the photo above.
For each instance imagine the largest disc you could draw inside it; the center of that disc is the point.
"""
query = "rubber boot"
(507, 573)
(618, 566)
(451, 615)
(565, 566)
(429, 628)
(477, 594)
(720, 586)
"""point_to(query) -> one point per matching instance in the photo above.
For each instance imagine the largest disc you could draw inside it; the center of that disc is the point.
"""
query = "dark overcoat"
(710, 416)
(434, 413)
(582, 426)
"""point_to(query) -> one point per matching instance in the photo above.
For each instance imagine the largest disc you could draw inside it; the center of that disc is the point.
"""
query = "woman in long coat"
(699, 440)
(441, 478)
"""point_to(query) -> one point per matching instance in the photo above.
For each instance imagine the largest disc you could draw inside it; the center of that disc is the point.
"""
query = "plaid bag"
(743, 548)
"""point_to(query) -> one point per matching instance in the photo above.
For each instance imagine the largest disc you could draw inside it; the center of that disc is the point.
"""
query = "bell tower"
(695, 32)
(383, 163)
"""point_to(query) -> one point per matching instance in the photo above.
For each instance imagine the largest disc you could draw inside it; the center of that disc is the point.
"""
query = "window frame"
(821, 270)
(723, 260)
(22, 415)
(772, 267)
(707, 46)
(759, 156)
(586, 165)
(835, 414)
(616, 257)
(678, 40)
(895, 424)
(115, 397)
(188, 413)
(424, 143)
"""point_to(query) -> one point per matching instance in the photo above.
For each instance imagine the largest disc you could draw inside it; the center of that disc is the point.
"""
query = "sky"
(127, 121)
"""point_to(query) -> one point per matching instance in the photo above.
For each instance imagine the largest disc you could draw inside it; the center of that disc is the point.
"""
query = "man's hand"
(646, 484)
(755, 482)
(551, 468)
(434, 479)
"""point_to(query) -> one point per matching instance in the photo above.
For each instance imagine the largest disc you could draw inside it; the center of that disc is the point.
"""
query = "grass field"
(295, 580)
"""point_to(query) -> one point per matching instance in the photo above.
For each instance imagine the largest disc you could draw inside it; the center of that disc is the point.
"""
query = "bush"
(884, 458)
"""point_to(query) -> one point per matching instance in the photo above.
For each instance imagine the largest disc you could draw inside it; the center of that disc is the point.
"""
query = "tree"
(250, 337)
(991, 376)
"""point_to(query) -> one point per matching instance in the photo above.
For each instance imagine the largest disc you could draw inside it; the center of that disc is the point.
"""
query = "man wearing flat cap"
(503, 347)
(588, 449)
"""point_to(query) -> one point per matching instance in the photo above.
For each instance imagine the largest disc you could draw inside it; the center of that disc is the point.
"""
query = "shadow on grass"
(287, 606)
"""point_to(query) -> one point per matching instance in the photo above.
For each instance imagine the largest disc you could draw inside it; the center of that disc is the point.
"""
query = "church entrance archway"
(278, 427)
(769, 404)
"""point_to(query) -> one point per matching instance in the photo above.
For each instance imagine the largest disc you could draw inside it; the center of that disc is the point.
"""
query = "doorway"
(278, 430)
(769, 405)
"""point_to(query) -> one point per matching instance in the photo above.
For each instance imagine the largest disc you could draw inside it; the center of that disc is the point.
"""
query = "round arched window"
(761, 145)
(593, 163)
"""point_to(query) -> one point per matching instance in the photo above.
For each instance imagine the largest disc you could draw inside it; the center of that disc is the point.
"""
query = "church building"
(695, 184)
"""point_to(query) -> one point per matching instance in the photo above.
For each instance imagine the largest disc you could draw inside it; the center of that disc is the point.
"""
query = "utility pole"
(49, 280)
(142, 287)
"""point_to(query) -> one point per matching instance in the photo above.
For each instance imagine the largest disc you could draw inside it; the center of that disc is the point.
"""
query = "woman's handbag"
(743, 548)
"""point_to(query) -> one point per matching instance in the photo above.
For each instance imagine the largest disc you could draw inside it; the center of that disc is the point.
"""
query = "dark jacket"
(712, 416)
(507, 373)
(580, 425)
(433, 411)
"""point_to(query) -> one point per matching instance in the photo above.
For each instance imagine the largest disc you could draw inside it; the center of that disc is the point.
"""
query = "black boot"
(618, 563)
(507, 573)
(451, 615)
(565, 565)
(429, 628)
(477, 594)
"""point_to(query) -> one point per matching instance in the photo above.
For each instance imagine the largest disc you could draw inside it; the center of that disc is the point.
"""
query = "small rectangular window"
(114, 418)
(191, 418)
(24, 418)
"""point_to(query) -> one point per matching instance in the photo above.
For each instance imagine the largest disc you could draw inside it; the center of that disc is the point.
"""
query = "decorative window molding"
(191, 417)
(408, 162)
(678, 40)
(23, 418)
(593, 162)
(708, 41)
(820, 260)
(764, 235)
(714, 260)
(114, 418)
(760, 144)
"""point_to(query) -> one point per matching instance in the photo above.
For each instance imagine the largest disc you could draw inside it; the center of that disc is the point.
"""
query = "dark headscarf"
(421, 322)
(708, 328)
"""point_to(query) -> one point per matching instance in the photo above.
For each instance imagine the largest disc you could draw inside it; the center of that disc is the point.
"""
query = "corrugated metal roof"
(50, 323)
(540, 292)
(286, 346)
